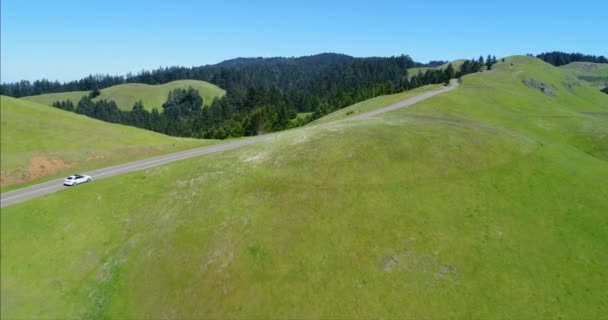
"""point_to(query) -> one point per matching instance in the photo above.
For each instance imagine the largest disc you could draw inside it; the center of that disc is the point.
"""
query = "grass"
(596, 74)
(300, 116)
(374, 103)
(39, 143)
(125, 95)
(488, 201)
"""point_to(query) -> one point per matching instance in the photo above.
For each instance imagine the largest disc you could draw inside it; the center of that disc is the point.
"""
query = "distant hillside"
(39, 142)
(559, 58)
(125, 95)
(323, 59)
(414, 71)
(486, 202)
(373, 104)
(261, 96)
(286, 73)
(595, 74)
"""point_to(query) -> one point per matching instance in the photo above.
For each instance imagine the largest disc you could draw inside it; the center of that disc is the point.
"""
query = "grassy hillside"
(485, 202)
(125, 95)
(374, 103)
(39, 142)
(596, 74)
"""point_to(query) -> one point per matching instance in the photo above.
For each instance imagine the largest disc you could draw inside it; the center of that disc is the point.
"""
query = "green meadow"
(125, 95)
(596, 74)
(374, 103)
(488, 202)
(39, 142)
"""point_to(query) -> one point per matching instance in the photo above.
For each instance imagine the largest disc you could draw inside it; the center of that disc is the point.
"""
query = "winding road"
(35, 191)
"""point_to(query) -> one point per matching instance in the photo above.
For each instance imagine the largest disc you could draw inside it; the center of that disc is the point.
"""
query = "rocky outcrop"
(541, 86)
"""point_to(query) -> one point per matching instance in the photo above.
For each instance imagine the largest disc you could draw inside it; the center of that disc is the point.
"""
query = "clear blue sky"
(67, 40)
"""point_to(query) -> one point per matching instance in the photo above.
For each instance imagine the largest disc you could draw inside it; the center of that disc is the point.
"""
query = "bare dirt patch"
(39, 166)
(6, 179)
(541, 86)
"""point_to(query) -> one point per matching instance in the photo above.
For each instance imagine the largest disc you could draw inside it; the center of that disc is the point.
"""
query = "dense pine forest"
(303, 73)
(558, 58)
(255, 103)
(263, 94)
(285, 73)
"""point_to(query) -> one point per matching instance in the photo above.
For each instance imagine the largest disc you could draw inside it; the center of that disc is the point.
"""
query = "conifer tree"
(449, 73)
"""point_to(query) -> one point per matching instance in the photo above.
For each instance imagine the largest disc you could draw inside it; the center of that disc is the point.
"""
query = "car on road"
(76, 179)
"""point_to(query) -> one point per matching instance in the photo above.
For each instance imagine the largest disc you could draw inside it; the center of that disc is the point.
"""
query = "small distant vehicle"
(76, 179)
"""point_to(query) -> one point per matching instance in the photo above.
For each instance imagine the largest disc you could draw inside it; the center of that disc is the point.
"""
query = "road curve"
(38, 190)
(407, 102)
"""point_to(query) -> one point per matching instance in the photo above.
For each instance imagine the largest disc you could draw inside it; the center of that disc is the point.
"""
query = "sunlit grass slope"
(39, 142)
(485, 202)
(125, 95)
(374, 103)
(595, 74)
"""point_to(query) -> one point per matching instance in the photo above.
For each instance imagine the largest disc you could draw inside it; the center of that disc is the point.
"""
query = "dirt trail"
(35, 191)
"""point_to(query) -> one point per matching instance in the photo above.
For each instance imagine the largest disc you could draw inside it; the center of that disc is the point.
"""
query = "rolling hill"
(318, 60)
(125, 95)
(488, 201)
(596, 74)
(39, 142)
(373, 104)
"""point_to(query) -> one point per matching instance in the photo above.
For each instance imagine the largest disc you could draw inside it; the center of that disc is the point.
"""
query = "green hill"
(125, 95)
(595, 74)
(39, 142)
(488, 201)
(373, 104)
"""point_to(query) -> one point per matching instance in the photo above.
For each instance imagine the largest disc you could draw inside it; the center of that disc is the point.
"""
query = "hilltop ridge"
(125, 95)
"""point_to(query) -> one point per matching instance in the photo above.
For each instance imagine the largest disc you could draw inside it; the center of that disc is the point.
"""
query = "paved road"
(35, 191)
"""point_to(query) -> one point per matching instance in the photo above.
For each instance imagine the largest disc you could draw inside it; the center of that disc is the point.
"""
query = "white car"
(76, 179)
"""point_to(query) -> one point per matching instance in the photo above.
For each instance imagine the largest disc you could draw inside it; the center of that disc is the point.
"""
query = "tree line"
(183, 114)
(26, 88)
(558, 58)
(285, 73)
(258, 109)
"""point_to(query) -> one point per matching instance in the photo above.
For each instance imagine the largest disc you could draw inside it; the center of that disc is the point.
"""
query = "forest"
(255, 104)
(286, 73)
(558, 58)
